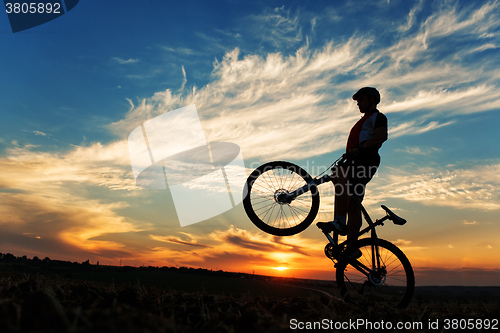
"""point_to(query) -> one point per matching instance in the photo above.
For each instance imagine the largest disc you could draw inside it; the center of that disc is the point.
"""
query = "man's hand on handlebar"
(355, 151)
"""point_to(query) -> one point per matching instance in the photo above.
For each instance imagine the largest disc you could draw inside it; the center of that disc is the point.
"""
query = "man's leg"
(355, 221)
(353, 226)
(342, 198)
(341, 205)
(364, 173)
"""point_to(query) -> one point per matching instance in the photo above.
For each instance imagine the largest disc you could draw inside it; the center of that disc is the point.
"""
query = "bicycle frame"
(289, 197)
(368, 269)
(371, 225)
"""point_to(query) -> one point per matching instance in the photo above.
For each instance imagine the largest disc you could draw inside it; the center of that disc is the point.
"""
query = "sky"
(275, 78)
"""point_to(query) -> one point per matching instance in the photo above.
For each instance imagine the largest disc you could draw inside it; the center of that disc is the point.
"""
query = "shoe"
(333, 226)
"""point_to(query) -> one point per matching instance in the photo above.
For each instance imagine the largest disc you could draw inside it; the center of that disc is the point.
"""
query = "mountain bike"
(282, 199)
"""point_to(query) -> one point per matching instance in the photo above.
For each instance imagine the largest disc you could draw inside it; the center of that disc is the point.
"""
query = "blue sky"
(276, 79)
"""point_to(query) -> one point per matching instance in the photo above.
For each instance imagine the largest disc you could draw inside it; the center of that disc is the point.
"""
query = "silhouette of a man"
(350, 179)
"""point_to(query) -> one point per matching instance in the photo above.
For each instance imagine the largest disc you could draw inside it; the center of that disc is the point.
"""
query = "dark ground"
(86, 298)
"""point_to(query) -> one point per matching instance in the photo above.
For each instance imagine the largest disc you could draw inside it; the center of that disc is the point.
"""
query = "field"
(44, 297)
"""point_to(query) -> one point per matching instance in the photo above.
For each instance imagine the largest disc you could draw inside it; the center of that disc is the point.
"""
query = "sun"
(280, 268)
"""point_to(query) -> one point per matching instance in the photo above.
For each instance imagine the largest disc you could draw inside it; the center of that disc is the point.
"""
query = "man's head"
(367, 99)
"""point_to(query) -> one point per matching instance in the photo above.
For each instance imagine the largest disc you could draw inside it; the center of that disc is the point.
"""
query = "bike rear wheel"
(392, 283)
(264, 204)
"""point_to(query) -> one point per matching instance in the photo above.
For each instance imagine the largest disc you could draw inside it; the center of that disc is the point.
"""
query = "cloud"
(233, 247)
(278, 28)
(470, 100)
(410, 21)
(418, 150)
(254, 101)
(60, 224)
(184, 80)
(125, 61)
(467, 22)
(407, 245)
(484, 47)
(248, 244)
(297, 105)
(177, 240)
(54, 197)
(97, 164)
(474, 188)
(415, 127)
(180, 50)
(38, 133)
(447, 21)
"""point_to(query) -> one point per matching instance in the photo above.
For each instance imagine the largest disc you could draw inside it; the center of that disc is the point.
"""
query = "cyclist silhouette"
(282, 199)
(363, 143)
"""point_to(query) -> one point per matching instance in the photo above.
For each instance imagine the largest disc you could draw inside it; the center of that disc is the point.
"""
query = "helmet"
(367, 91)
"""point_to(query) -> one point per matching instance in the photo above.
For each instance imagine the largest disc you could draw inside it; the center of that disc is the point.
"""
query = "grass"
(117, 300)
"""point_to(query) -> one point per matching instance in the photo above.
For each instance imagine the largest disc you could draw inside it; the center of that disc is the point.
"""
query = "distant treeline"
(57, 266)
(10, 258)
(51, 263)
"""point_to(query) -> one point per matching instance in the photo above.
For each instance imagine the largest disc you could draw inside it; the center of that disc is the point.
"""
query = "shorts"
(359, 171)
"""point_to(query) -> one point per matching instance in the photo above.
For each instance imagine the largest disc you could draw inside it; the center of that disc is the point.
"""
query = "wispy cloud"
(38, 133)
(122, 61)
(178, 240)
(303, 99)
(184, 80)
(418, 150)
(278, 27)
(254, 101)
(184, 51)
(467, 21)
(407, 245)
(471, 100)
(415, 127)
(410, 21)
(474, 188)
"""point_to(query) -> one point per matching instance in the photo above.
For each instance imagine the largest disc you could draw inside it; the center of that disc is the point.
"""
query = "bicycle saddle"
(396, 219)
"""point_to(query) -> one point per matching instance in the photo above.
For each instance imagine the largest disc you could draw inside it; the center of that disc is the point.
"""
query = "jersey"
(364, 129)
(362, 167)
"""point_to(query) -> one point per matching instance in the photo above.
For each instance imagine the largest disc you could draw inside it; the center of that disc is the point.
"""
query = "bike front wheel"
(375, 279)
(263, 199)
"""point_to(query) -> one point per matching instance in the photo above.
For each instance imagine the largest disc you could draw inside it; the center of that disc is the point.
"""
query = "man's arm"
(379, 137)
